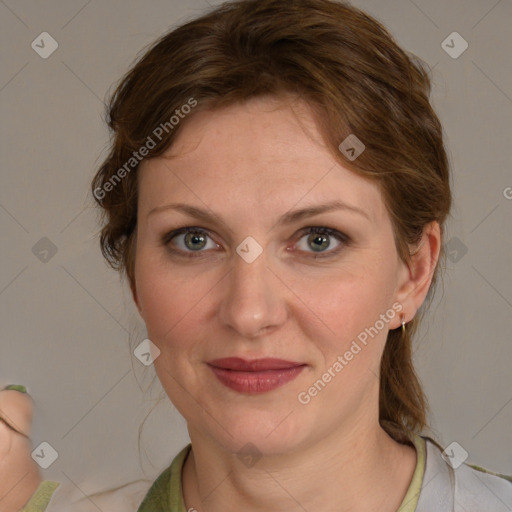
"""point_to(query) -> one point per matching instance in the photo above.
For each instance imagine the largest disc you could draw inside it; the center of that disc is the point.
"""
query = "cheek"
(173, 301)
(166, 302)
(171, 311)
(342, 304)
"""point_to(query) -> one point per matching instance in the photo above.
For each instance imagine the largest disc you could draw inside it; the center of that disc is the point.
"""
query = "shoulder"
(454, 486)
(126, 497)
(166, 491)
(477, 486)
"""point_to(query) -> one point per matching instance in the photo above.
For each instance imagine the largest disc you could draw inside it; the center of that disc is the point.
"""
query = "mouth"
(255, 376)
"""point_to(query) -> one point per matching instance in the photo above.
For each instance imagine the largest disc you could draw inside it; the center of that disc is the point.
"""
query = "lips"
(255, 376)
(256, 365)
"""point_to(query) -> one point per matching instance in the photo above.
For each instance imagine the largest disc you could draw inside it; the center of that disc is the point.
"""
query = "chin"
(264, 432)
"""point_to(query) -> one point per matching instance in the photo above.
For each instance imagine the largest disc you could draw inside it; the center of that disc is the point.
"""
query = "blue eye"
(191, 241)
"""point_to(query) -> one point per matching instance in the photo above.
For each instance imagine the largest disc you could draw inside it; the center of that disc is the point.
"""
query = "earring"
(403, 324)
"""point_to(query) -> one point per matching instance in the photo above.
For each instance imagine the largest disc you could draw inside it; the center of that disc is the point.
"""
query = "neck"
(351, 470)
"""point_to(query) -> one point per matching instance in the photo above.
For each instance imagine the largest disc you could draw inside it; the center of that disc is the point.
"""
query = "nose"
(254, 301)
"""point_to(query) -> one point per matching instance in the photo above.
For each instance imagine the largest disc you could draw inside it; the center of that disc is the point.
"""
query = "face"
(238, 273)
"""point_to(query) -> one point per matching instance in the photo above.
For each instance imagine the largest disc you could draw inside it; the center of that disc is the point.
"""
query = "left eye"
(319, 239)
(194, 240)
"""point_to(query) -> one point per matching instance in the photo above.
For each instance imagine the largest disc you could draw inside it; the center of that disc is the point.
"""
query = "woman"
(276, 194)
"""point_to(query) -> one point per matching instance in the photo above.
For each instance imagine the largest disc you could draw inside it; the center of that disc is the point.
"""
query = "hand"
(19, 473)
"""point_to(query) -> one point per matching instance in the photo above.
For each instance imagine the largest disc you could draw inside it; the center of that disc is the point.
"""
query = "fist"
(19, 474)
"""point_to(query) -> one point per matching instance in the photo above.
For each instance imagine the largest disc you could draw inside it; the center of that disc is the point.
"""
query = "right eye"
(188, 240)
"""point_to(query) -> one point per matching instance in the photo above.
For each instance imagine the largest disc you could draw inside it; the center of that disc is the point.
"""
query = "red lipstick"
(255, 376)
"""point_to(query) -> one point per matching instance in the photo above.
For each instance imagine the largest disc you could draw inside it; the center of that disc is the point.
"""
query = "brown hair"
(348, 68)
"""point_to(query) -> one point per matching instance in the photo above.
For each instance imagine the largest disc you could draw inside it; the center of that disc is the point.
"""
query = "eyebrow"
(287, 218)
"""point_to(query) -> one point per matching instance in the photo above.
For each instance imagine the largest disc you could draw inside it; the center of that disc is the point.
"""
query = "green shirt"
(41, 498)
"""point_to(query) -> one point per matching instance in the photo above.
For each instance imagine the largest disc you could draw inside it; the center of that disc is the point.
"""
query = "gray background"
(67, 323)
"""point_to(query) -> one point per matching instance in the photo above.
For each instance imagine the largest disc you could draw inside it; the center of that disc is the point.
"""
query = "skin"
(19, 474)
(251, 163)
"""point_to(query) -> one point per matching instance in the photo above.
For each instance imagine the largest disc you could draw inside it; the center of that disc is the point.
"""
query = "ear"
(415, 278)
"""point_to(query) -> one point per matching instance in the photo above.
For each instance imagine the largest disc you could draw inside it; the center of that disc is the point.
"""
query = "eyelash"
(341, 237)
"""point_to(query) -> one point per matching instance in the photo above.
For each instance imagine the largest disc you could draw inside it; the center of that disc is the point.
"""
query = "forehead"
(265, 154)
